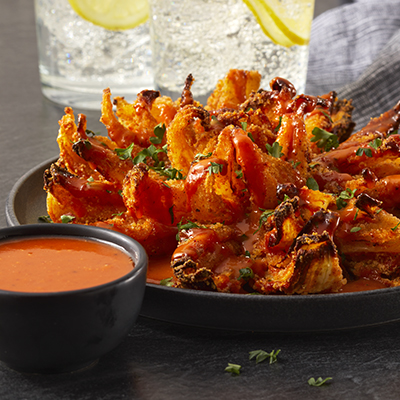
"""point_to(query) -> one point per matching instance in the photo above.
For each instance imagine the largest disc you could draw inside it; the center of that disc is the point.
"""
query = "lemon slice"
(112, 14)
(281, 27)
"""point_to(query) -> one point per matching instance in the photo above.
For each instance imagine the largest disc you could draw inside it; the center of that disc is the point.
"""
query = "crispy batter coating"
(234, 89)
(265, 191)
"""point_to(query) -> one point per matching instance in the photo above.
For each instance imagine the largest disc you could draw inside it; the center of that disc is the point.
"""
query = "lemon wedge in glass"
(112, 14)
(281, 26)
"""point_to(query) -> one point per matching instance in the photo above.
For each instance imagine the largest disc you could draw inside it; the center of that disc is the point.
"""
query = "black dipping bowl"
(67, 331)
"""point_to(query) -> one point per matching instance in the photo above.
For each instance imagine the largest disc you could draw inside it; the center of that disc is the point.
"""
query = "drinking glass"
(208, 37)
(78, 59)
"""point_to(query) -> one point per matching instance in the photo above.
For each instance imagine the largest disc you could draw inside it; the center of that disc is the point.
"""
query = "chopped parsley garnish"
(66, 218)
(166, 282)
(360, 151)
(275, 150)
(239, 174)
(312, 184)
(377, 142)
(87, 144)
(45, 218)
(318, 382)
(159, 131)
(345, 195)
(327, 116)
(324, 139)
(215, 168)
(295, 164)
(263, 218)
(249, 134)
(244, 127)
(124, 154)
(186, 226)
(151, 152)
(355, 229)
(171, 173)
(234, 369)
(261, 355)
(395, 227)
(171, 213)
(200, 156)
(279, 125)
(245, 273)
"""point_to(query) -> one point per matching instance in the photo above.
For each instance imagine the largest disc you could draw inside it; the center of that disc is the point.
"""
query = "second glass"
(78, 59)
(207, 38)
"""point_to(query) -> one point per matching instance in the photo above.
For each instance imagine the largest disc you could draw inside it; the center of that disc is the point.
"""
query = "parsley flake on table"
(318, 382)
(261, 355)
(151, 152)
(234, 369)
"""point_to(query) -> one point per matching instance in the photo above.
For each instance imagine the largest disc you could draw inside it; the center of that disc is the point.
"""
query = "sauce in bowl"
(55, 264)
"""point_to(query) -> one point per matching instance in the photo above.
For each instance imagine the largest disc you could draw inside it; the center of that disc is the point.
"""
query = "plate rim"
(171, 294)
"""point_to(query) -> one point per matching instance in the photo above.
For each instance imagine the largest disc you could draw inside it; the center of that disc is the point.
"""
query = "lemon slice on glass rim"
(112, 14)
(282, 28)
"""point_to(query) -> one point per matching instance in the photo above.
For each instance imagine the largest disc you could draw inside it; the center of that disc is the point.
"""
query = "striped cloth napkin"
(355, 50)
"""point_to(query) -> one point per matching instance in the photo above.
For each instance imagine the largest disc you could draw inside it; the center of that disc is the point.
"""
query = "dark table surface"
(160, 360)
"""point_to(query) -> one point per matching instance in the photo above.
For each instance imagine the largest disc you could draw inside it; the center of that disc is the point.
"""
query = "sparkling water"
(208, 37)
(77, 59)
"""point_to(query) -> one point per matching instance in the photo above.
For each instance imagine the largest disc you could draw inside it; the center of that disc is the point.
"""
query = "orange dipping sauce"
(55, 264)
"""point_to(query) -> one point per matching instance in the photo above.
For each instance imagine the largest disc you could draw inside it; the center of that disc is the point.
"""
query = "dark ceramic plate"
(27, 201)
